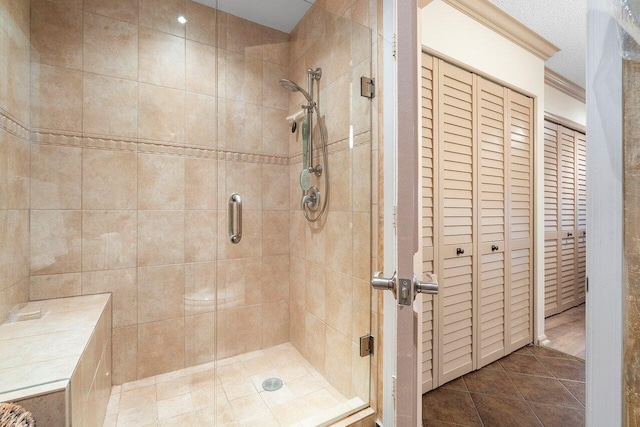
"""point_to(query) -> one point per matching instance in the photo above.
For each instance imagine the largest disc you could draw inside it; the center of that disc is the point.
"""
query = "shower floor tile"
(192, 396)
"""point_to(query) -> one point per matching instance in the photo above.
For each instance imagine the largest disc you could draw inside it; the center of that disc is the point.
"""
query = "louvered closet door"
(567, 217)
(492, 222)
(520, 214)
(428, 238)
(581, 218)
(455, 257)
(552, 303)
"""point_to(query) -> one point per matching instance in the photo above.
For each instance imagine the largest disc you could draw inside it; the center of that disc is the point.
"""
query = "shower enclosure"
(163, 169)
(253, 241)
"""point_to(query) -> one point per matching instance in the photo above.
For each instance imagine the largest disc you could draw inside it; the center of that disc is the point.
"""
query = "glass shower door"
(293, 294)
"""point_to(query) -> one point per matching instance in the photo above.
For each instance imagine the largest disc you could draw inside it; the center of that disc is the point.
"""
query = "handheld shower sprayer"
(311, 196)
(293, 87)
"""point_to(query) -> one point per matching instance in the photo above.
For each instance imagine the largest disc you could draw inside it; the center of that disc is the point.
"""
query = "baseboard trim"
(543, 340)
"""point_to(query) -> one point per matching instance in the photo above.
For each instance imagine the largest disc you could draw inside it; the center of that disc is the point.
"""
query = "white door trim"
(389, 185)
(605, 219)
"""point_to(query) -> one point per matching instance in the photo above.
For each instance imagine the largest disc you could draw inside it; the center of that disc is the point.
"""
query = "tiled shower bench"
(59, 365)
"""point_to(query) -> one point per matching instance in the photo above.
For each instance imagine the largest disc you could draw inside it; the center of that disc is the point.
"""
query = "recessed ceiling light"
(182, 19)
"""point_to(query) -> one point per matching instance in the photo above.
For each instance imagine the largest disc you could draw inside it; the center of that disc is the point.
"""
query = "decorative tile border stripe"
(253, 158)
(363, 138)
(12, 125)
(106, 143)
(75, 139)
(56, 138)
(70, 139)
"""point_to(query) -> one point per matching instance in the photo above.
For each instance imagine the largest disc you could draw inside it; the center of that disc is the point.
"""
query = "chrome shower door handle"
(235, 200)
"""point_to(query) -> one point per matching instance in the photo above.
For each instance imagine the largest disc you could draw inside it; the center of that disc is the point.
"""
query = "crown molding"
(568, 87)
(491, 16)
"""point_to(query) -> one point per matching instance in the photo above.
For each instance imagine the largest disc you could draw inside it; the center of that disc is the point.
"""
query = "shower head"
(293, 87)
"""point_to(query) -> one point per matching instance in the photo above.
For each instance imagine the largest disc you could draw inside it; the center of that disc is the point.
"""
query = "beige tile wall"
(133, 135)
(14, 154)
(90, 385)
(331, 260)
(142, 128)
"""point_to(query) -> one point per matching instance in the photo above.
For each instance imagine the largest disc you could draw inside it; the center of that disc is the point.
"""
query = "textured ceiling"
(563, 23)
(282, 15)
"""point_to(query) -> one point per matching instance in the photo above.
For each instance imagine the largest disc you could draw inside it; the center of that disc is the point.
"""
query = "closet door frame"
(561, 121)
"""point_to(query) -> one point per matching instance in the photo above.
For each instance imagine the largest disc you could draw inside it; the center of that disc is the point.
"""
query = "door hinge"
(366, 345)
(394, 48)
(395, 217)
(367, 87)
(586, 286)
(393, 389)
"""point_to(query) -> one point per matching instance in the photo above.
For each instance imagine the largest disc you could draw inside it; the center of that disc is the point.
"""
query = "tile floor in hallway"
(535, 386)
(186, 397)
(566, 331)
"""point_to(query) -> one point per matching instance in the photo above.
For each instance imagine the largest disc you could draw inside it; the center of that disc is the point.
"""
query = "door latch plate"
(405, 296)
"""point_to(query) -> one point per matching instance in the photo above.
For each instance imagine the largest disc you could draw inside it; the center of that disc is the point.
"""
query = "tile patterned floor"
(186, 397)
(535, 386)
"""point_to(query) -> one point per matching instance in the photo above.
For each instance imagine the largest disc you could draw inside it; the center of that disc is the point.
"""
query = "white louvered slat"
(553, 303)
(428, 218)
(492, 222)
(567, 183)
(456, 162)
(476, 216)
(565, 218)
(550, 177)
(568, 214)
(520, 238)
(581, 267)
(581, 217)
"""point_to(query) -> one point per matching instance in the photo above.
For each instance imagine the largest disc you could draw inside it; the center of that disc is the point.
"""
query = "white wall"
(455, 36)
(565, 106)
(605, 220)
